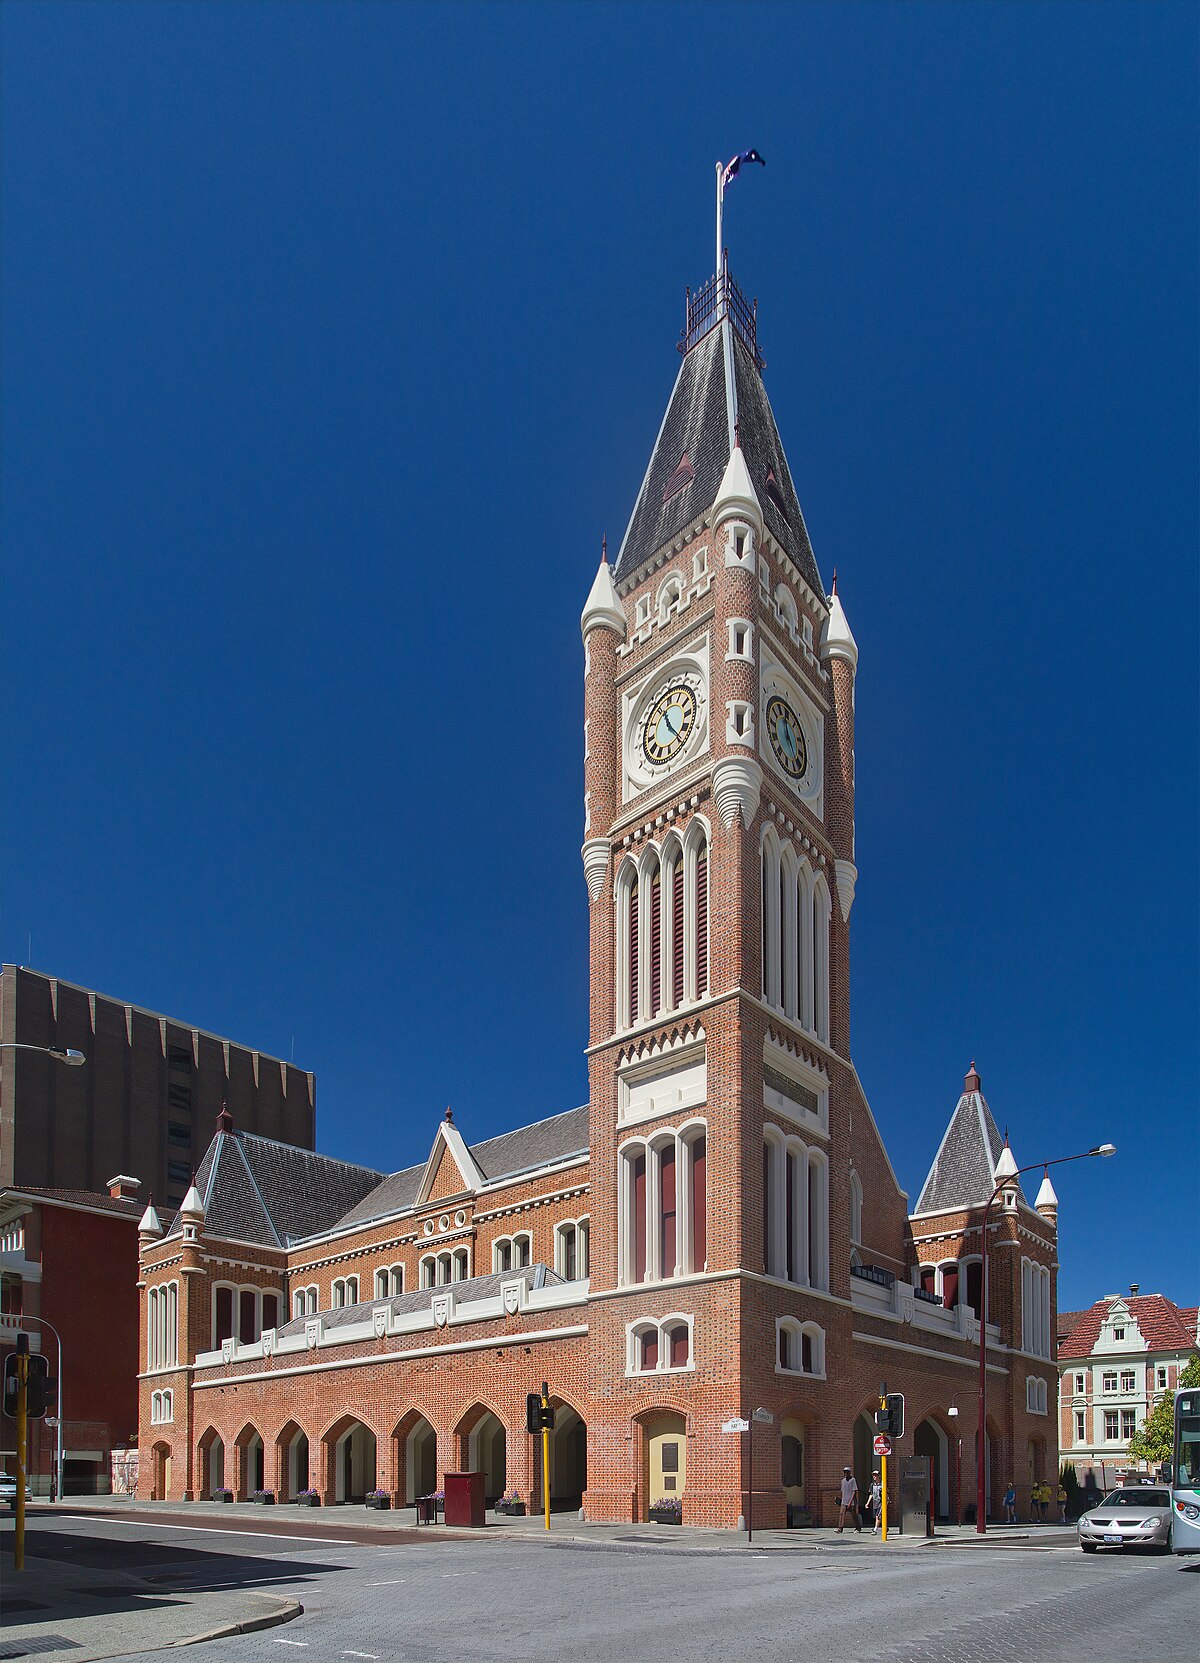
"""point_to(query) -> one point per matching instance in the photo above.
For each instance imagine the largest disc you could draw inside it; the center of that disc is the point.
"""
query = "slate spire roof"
(963, 1173)
(718, 400)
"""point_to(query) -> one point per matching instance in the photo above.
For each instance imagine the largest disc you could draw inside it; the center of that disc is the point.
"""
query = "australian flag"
(734, 168)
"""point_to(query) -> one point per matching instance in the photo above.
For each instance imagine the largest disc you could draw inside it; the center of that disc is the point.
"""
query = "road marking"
(369, 1655)
(393, 1582)
(290, 1642)
(258, 1535)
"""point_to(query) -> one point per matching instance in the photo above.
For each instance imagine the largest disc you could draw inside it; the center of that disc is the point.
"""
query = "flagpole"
(720, 197)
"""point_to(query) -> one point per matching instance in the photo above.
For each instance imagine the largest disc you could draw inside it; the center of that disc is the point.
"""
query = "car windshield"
(1136, 1498)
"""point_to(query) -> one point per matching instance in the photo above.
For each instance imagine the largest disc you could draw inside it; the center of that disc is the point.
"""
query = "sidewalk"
(80, 1611)
(568, 1528)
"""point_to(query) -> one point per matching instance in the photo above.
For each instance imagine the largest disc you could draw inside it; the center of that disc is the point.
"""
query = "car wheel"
(1088, 1547)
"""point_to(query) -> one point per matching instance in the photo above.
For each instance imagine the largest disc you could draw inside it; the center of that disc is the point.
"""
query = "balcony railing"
(721, 298)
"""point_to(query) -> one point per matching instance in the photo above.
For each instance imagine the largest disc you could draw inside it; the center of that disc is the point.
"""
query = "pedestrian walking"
(849, 1501)
(876, 1503)
(1062, 1504)
(1010, 1504)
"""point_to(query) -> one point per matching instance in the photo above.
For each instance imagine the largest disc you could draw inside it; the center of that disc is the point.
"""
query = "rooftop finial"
(224, 1119)
(973, 1083)
(604, 548)
(737, 434)
(449, 1114)
(834, 591)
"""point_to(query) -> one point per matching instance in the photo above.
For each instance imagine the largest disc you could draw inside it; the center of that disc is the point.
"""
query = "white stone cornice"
(736, 788)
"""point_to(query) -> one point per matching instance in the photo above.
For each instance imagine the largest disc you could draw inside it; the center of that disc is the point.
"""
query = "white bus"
(1185, 1474)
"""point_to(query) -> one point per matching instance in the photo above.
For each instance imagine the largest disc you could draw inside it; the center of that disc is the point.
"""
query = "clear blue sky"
(335, 336)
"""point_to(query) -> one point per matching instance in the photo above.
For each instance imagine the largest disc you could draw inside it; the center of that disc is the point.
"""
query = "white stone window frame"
(661, 1326)
(796, 1332)
(741, 642)
(514, 1244)
(162, 1326)
(661, 858)
(787, 612)
(1108, 1381)
(427, 1271)
(1112, 1436)
(669, 601)
(808, 1235)
(389, 1281)
(795, 934)
(580, 1230)
(305, 1301)
(1080, 1427)
(162, 1407)
(1160, 1375)
(1036, 1395)
(1035, 1308)
(1080, 1385)
(460, 1264)
(683, 1138)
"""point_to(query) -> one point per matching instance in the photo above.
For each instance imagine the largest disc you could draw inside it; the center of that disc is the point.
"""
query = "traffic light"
(890, 1419)
(40, 1388)
(12, 1385)
(538, 1418)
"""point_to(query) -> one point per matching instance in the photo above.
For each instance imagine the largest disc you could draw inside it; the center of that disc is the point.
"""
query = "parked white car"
(8, 1489)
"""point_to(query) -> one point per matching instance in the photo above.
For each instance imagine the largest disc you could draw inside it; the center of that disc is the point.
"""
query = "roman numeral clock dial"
(668, 727)
(787, 737)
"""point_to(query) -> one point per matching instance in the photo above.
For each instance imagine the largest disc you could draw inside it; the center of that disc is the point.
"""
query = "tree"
(1153, 1439)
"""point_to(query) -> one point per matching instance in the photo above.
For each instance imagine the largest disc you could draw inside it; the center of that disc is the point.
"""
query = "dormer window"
(775, 494)
(683, 476)
(1118, 1333)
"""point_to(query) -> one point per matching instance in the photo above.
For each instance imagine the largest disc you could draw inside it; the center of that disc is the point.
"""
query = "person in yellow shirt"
(1062, 1503)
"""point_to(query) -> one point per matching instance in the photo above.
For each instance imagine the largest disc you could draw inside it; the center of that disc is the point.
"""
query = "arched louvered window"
(632, 937)
(677, 932)
(702, 921)
(656, 978)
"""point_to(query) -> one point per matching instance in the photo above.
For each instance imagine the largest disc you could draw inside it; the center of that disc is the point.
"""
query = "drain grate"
(43, 1643)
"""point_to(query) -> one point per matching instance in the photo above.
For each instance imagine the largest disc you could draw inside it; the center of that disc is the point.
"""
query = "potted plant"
(222, 1495)
(308, 1498)
(666, 1510)
(511, 1504)
(265, 1497)
(379, 1499)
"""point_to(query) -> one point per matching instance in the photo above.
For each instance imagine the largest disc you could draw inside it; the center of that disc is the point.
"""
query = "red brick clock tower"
(719, 857)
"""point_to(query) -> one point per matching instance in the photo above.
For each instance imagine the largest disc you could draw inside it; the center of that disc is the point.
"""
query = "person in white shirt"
(876, 1502)
(849, 1501)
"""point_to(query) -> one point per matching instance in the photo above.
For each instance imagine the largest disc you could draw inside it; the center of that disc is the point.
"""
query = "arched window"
(948, 1283)
(462, 1265)
(628, 945)
(820, 957)
(660, 1346)
(445, 1269)
(502, 1254)
(856, 1207)
(795, 1211)
(770, 918)
(800, 1347)
(571, 1250)
(428, 1270)
(669, 598)
(522, 1250)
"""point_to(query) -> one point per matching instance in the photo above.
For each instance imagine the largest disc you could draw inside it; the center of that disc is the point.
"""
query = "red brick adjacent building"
(719, 1228)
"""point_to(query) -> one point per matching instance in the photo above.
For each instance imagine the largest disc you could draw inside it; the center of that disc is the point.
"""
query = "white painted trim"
(496, 1342)
(926, 1351)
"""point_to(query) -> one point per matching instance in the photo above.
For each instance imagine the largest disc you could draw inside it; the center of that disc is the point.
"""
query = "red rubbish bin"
(465, 1502)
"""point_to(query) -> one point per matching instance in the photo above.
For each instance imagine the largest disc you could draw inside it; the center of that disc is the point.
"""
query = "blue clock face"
(669, 725)
(787, 737)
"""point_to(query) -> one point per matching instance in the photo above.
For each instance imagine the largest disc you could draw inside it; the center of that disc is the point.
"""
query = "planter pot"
(308, 1501)
(265, 1500)
(379, 1503)
(513, 1509)
(223, 1495)
(659, 1517)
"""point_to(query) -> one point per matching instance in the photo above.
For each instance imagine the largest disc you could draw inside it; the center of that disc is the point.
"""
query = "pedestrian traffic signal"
(889, 1418)
(539, 1417)
(12, 1385)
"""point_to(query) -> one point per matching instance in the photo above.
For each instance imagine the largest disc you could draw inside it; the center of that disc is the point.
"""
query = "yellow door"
(668, 1456)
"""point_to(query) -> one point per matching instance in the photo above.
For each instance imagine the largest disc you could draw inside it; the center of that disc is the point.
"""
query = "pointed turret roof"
(718, 401)
(963, 1173)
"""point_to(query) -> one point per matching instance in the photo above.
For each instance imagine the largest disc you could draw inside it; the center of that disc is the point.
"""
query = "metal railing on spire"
(714, 300)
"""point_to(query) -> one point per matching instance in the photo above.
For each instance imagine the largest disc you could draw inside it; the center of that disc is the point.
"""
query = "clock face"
(669, 725)
(787, 737)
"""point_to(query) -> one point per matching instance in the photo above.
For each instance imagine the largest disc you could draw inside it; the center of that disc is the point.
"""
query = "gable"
(447, 1179)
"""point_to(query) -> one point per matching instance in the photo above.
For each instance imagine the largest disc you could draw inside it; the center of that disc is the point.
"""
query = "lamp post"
(1007, 1172)
(73, 1059)
(952, 1412)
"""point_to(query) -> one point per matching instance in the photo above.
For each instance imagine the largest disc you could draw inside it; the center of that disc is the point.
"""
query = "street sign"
(765, 1416)
(883, 1445)
(736, 1425)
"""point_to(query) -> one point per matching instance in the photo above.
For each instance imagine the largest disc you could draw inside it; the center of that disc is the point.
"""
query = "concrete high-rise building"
(146, 1101)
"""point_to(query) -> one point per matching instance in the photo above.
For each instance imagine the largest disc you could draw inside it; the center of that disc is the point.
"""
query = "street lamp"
(73, 1059)
(952, 1412)
(1007, 1172)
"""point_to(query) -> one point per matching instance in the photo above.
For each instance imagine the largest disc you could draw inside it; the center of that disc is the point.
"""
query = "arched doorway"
(251, 1473)
(568, 1459)
(665, 1437)
(353, 1463)
(292, 1446)
(418, 1443)
(863, 1459)
(792, 1462)
(930, 1440)
(487, 1452)
(162, 1471)
(212, 1464)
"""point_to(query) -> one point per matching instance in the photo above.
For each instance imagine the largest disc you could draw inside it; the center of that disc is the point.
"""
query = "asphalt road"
(423, 1601)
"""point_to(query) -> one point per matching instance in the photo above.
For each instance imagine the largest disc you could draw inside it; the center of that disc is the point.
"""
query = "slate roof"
(719, 390)
(963, 1173)
(522, 1150)
(1164, 1325)
(478, 1287)
(99, 1200)
(257, 1190)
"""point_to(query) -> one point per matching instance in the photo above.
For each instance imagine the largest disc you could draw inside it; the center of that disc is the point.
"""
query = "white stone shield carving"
(312, 1333)
(379, 1322)
(227, 1347)
(441, 1309)
(268, 1341)
(511, 1295)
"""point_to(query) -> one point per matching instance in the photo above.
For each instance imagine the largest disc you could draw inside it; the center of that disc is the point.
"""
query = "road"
(425, 1600)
